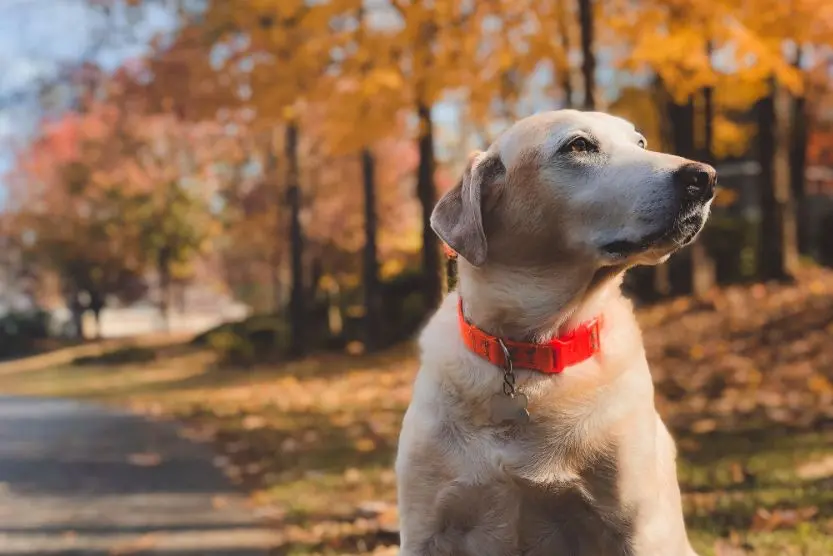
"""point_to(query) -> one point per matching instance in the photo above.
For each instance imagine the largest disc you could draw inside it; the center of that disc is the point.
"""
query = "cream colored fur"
(593, 473)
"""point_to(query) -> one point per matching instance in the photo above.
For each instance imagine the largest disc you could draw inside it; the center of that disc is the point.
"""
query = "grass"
(744, 386)
(767, 492)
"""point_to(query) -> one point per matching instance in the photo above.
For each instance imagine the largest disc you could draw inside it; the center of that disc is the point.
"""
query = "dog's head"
(574, 186)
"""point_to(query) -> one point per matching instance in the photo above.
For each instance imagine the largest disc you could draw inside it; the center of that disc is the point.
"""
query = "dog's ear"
(458, 217)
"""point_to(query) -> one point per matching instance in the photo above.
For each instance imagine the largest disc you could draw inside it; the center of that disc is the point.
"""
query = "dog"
(532, 429)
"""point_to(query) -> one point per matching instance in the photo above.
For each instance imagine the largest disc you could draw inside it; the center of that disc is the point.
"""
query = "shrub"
(732, 241)
(232, 349)
(244, 343)
(20, 331)
(131, 354)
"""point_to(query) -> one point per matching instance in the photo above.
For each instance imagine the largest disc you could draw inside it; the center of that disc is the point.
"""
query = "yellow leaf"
(819, 384)
(725, 197)
(703, 426)
(696, 352)
(365, 445)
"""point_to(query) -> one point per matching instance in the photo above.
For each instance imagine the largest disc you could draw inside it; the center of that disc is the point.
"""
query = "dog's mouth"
(682, 231)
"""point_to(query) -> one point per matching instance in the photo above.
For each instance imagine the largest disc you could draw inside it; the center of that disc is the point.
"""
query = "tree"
(799, 136)
(69, 210)
(782, 120)
(562, 68)
(171, 170)
(675, 42)
(370, 255)
(588, 65)
(173, 235)
(275, 58)
(703, 269)
(361, 78)
(134, 187)
(777, 255)
(431, 46)
(297, 302)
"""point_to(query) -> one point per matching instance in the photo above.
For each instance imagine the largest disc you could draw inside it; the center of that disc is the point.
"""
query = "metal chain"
(508, 371)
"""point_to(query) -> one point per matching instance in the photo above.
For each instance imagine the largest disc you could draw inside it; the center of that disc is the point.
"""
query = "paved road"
(83, 481)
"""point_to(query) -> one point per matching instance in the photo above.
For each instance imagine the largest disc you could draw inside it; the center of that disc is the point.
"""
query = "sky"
(39, 37)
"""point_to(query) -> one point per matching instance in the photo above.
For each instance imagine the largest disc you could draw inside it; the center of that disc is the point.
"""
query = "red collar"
(551, 357)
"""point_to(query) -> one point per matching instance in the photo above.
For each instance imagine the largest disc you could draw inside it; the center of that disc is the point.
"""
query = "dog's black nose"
(696, 180)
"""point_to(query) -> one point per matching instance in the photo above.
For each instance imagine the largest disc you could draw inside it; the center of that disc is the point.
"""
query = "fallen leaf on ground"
(726, 548)
(818, 469)
(142, 544)
(252, 422)
(371, 508)
(770, 520)
(365, 445)
(703, 426)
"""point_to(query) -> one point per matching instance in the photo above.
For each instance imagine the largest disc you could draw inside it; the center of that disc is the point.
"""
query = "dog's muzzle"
(694, 188)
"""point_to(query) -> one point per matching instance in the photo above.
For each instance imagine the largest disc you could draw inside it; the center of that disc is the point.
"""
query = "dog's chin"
(655, 247)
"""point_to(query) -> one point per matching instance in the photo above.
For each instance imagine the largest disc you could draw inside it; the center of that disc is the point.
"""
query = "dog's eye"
(579, 145)
(642, 144)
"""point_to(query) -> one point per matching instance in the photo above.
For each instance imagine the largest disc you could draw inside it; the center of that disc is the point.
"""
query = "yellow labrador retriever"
(532, 430)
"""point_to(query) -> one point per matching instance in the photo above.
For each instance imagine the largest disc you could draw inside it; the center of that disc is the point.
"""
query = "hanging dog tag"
(509, 409)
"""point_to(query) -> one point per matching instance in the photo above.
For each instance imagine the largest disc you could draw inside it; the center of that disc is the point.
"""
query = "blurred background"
(217, 212)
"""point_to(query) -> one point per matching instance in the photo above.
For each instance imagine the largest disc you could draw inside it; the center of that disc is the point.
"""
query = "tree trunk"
(181, 301)
(163, 267)
(776, 249)
(316, 273)
(661, 282)
(565, 76)
(77, 315)
(681, 266)
(372, 296)
(97, 317)
(708, 115)
(682, 127)
(275, 279)
(692, 270)
(96, 306)
(426, 192)
(657, 281)
(798, 160)
(588, 65)
(297, 316)
(703, 270)
(275, 258)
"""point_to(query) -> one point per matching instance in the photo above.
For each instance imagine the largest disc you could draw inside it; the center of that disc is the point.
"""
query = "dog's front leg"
(660, 528)
(460, 520)
(424, 528)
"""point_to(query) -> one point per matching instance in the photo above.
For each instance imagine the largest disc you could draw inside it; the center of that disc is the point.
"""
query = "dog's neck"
(534, 306)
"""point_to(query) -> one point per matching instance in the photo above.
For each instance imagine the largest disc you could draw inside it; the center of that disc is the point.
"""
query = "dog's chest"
(539, 500)
(517, 518)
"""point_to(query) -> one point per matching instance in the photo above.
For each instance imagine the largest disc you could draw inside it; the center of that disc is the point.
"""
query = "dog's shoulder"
(442, 431)
(434, 435)
(439, 339)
